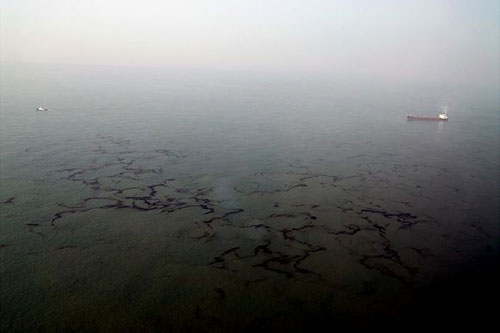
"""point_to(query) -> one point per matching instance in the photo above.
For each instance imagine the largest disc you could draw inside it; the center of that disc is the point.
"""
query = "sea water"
(154, 199)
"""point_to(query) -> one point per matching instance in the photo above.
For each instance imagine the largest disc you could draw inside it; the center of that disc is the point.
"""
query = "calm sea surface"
(149, 199)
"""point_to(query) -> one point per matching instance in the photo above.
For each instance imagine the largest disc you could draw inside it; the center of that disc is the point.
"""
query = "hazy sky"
(407, 39)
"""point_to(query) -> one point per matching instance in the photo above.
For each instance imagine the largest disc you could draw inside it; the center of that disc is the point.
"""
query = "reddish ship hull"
(410, 117)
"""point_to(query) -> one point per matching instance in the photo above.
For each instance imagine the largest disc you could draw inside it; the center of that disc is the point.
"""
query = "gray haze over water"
(447, 41)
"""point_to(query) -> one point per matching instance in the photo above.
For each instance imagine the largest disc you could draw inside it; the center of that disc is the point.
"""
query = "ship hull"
(409, 117)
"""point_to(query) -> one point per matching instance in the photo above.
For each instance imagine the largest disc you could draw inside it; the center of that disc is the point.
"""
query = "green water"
(151, 200)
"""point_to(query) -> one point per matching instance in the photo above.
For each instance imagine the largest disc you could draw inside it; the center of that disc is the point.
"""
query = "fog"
(422, 40)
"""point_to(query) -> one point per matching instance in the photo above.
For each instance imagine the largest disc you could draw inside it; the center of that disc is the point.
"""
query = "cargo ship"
(440, 117)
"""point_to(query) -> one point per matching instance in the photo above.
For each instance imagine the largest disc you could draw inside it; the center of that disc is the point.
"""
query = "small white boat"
(41, 109)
